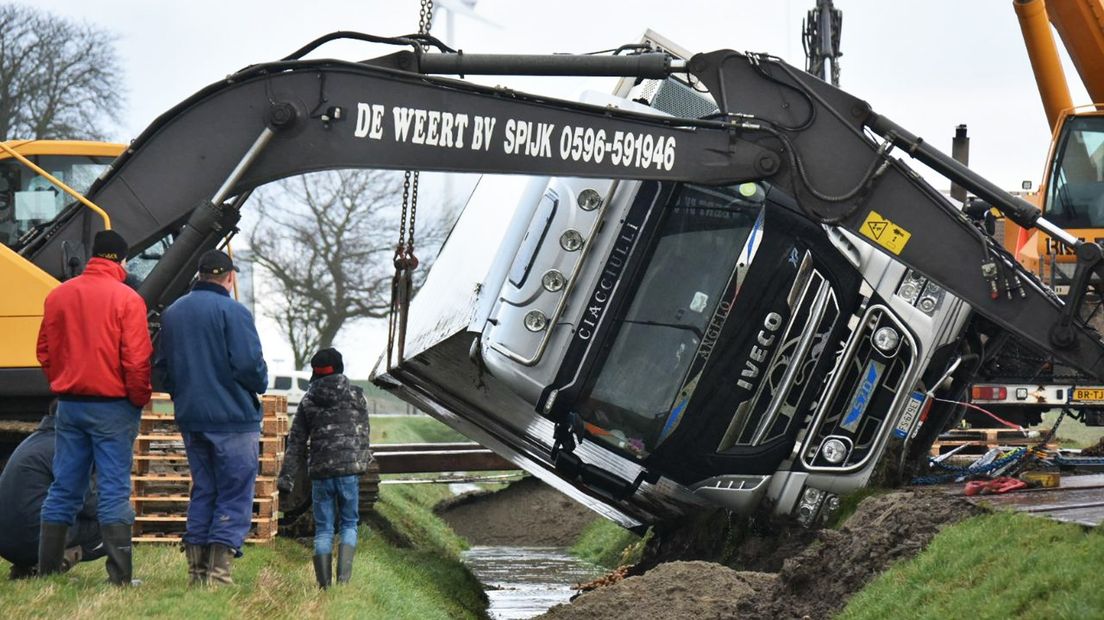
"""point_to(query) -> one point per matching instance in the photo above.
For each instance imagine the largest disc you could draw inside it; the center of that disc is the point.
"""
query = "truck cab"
(700, 345)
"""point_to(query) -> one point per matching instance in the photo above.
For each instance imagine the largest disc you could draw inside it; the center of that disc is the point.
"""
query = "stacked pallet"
(161, 482)
(978, 441)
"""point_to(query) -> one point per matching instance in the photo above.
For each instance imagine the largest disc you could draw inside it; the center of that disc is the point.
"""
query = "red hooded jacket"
(94, 340)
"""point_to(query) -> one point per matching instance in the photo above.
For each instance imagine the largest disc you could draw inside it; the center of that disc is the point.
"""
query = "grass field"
(1001, 565)
(607, 544)
(380, 401)
(413, 571)
(412, 429)
(407, 566)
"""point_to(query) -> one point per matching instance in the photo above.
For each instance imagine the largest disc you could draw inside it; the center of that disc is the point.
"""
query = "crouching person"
(333, 419)
(212, 365)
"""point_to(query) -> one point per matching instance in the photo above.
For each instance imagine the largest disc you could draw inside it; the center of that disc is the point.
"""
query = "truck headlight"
(589, 200)
(886, 339)
(571, 240)
(535, 321)
(812, 496)
(911, 286)
(553, 280)
(834, 451)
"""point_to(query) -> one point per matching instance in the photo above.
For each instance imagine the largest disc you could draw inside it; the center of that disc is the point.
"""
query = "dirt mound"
(819, 571)
(673, 590)
(1096, 449)
(526, 513)
(884, 529)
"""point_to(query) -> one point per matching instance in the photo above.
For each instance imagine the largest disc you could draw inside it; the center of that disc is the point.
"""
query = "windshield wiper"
(690, 328)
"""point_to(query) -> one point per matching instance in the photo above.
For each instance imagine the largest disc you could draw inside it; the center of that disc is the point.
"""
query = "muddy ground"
(526, 513)
(770, 570)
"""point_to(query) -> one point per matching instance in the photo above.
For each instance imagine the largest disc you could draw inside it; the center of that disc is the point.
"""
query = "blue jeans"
(344, 492)
(92, 432)
(224, 470)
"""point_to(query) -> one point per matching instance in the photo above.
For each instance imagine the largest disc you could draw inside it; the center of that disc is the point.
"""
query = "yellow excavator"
(33, 174)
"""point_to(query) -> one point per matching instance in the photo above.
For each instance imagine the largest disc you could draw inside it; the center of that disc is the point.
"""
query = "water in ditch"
(523, 582)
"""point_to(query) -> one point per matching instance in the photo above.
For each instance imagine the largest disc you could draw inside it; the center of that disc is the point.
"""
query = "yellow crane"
(1072, 191)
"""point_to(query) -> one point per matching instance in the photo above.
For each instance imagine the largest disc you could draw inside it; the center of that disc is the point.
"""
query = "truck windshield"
(628, 399)
(1075, 196)
(27, 199)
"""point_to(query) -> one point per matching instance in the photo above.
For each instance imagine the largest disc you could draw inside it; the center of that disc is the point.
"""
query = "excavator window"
(28, 200)
(1075, 196)
(628, 399)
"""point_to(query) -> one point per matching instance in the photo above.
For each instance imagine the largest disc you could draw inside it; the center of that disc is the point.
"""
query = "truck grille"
(770, 412)
(863, 390)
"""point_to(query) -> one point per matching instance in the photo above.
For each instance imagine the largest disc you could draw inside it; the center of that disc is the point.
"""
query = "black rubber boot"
(345, 555)
(197, 556)
(51, 547)
(218, 566)
(323, 569)
(116, 540)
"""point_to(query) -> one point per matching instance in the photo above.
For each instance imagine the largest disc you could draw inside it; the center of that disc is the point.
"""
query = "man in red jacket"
(94, 347)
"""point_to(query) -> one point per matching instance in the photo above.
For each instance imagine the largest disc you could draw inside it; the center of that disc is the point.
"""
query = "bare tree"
(327, 241)
(58, 78)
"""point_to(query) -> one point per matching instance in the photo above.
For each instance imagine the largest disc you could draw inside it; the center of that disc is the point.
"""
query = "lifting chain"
(402, 283)
(425, 17)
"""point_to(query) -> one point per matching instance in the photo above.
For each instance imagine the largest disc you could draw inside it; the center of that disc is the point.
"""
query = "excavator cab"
(28, 200)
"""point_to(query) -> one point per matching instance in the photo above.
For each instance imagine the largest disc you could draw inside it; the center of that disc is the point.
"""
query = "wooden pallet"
(161, 480)
(166, 462)
(152, 530)
(149, 444)
(978, 441)
(157, 503)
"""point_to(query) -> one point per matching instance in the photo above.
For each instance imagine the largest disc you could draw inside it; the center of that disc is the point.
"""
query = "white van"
(293, 384)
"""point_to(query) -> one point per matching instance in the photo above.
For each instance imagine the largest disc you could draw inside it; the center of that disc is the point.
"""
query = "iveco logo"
(792, 259)
(764, 341)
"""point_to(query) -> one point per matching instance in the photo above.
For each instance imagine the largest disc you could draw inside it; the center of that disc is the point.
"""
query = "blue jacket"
(210, 358)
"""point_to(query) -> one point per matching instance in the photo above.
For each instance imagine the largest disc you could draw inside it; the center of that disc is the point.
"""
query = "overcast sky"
(929, 65)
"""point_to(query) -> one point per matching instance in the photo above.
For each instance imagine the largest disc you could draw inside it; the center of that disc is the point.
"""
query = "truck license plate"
(1088, 395)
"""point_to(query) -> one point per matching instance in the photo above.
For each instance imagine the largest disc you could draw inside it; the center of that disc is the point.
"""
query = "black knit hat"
(326, 362)
(110, 245)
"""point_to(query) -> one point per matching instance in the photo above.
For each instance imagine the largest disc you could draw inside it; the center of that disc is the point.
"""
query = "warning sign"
(885, 233)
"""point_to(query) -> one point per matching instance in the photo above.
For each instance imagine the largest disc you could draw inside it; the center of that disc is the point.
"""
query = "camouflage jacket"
(332, 423)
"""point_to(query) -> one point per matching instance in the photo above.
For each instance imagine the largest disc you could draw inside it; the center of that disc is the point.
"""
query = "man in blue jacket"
(212, 365)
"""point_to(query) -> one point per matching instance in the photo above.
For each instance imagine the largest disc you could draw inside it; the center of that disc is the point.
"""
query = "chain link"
(425, 17)
(405, 260)
(413, 219)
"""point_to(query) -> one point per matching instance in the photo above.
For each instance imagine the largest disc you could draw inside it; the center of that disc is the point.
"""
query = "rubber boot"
(51, 547)
(323, 569)
(72, 557)
(218, 565)
(21, 572)
(197, 556)
(345, 555)
(116, 541)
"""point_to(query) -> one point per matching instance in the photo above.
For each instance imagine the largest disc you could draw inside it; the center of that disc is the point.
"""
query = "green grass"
(381, 401)
(412, 429)
(1071, 434)
(607, 544)
(407, 566)
(1001, 565)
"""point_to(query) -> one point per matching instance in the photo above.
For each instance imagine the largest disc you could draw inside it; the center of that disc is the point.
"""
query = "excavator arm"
(190, 172)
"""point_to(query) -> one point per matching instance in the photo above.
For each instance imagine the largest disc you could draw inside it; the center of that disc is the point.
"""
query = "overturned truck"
(649, 347)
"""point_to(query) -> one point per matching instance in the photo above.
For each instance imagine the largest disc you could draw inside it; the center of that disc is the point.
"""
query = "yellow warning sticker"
(885, 233)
